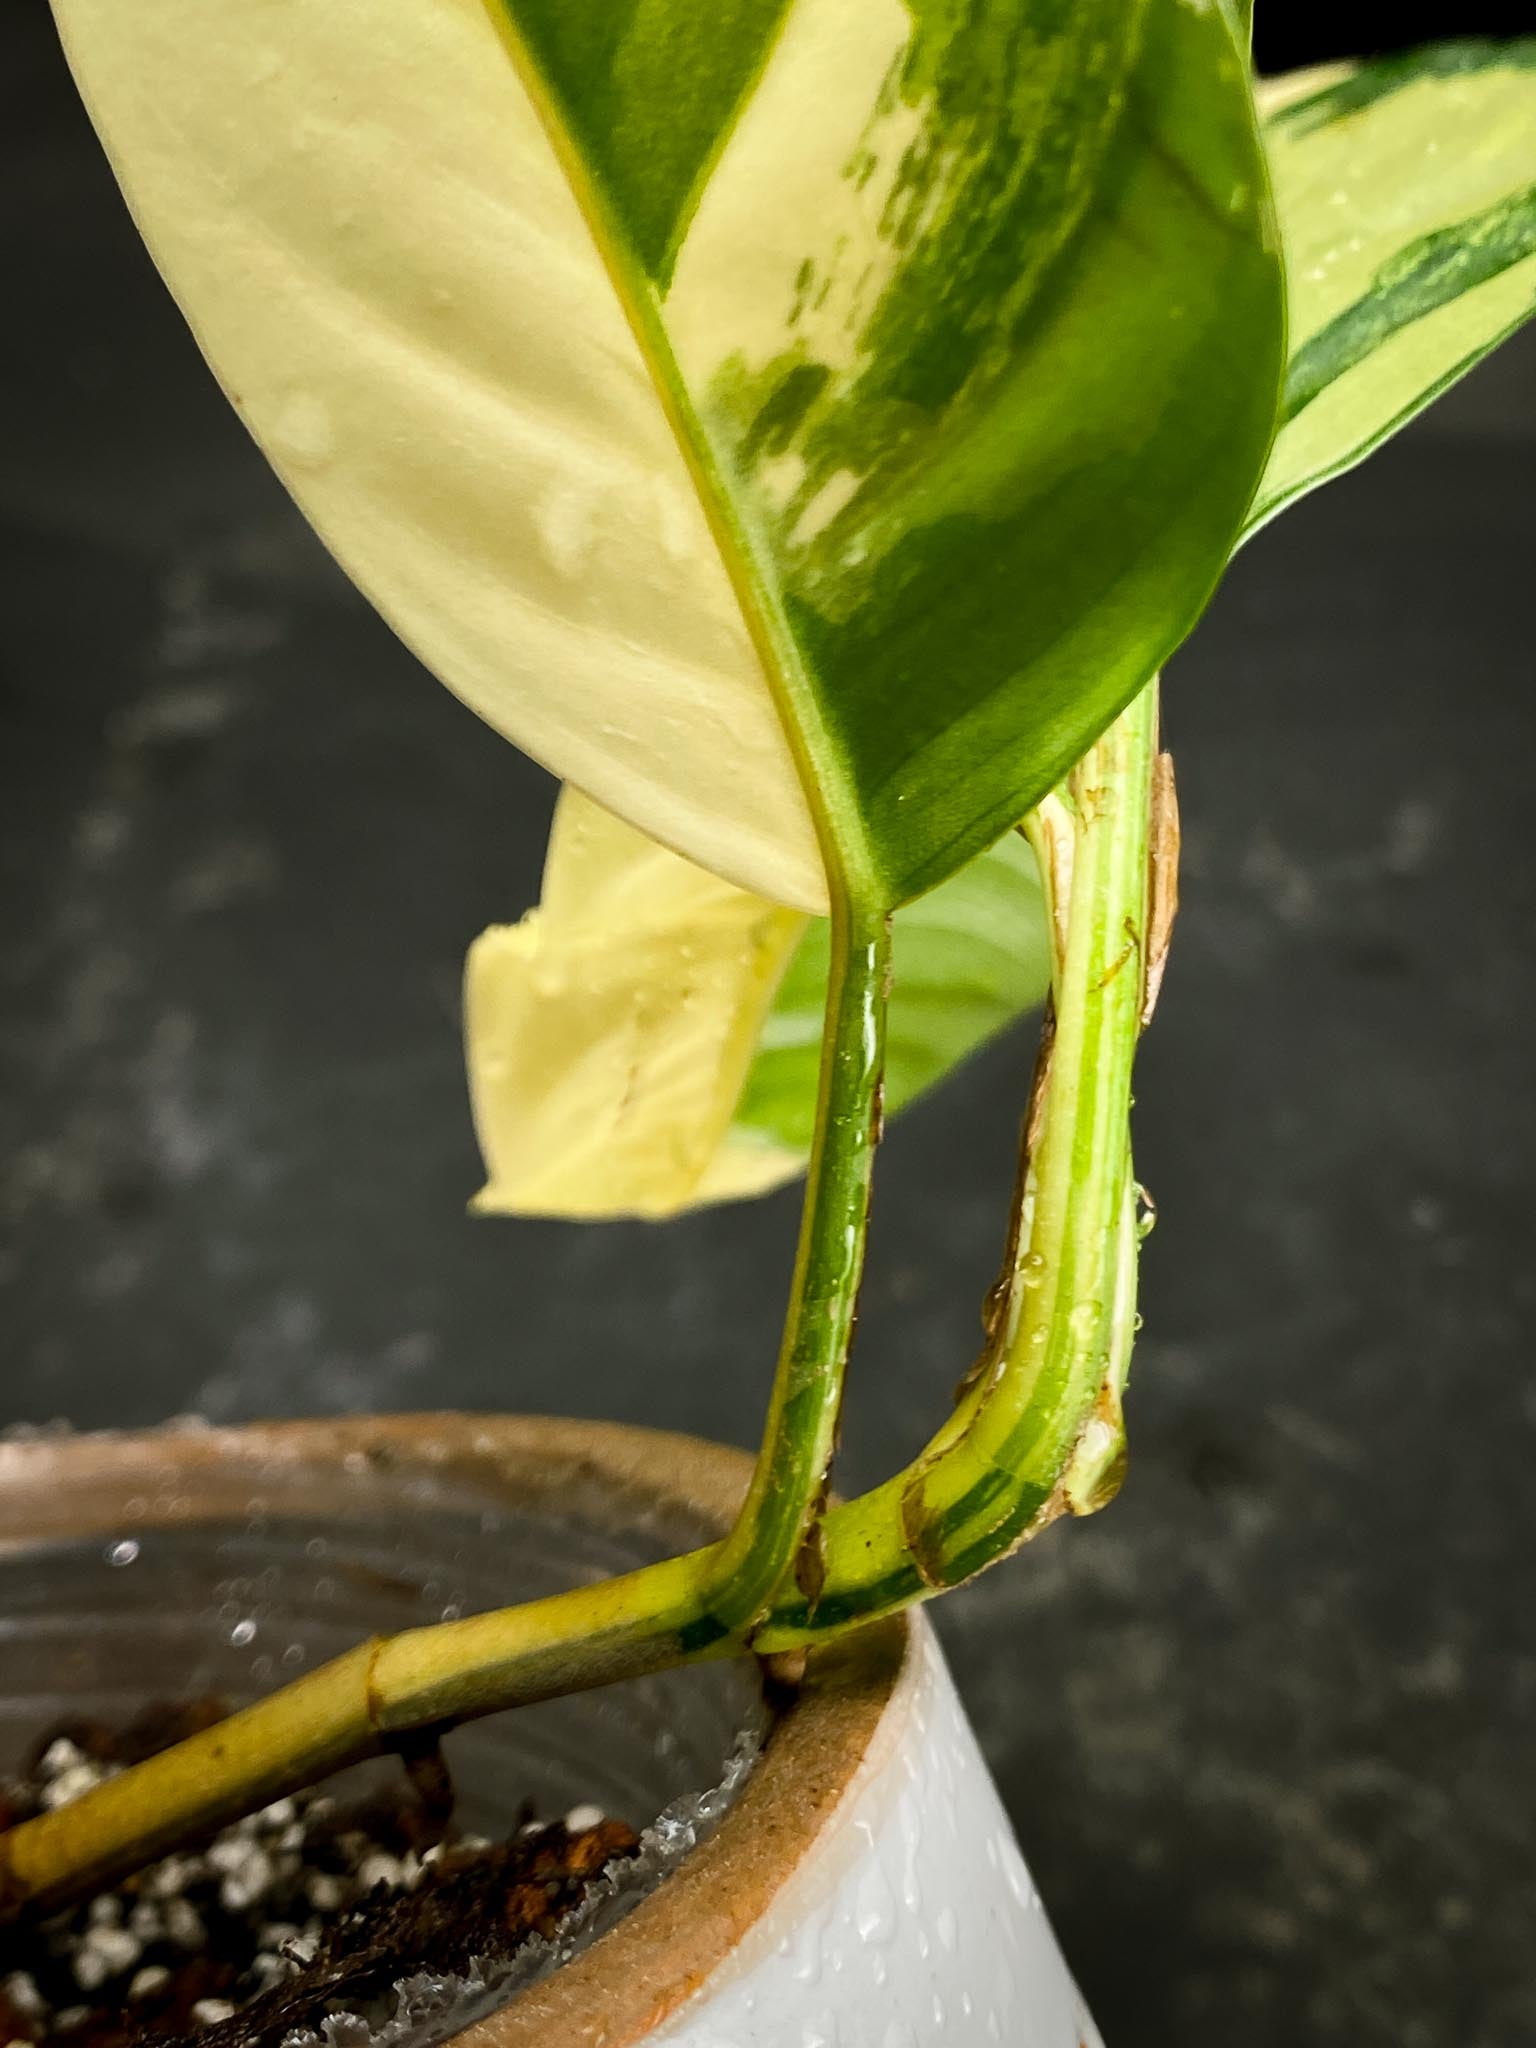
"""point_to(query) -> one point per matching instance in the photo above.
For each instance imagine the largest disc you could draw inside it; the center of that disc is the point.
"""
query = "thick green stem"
(777, 1536)
(1036, 1432)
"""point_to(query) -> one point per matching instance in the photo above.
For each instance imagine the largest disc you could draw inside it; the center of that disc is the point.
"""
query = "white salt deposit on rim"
(428, 2008)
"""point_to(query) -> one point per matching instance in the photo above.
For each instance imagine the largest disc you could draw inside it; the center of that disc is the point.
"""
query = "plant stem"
(777, 1534)
(357, 1706)
(1036, 1434)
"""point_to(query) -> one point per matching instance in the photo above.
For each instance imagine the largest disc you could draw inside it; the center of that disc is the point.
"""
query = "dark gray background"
(1266, 1727)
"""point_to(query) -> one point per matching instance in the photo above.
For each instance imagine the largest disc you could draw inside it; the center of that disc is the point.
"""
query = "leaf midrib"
(852, 872)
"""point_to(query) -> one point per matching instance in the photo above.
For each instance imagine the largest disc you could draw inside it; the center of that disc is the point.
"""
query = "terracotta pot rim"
(632, 1978)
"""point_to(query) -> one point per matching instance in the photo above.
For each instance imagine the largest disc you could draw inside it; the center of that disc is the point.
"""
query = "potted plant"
(809, 430)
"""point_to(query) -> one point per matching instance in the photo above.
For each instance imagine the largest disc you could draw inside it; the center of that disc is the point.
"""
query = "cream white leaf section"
(609, 1034)
(649, 1039)
(361, 215)
(738, 296)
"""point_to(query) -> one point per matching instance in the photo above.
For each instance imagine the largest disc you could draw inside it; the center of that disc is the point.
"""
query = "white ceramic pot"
(864, 1890)
(910, 1919)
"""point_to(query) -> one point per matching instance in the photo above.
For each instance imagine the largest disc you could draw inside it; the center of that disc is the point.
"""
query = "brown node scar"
(811, 1559)
(1162, 880)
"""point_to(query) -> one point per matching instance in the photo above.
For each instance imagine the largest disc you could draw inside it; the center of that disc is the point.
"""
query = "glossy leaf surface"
(800, 423)
(1406, 191)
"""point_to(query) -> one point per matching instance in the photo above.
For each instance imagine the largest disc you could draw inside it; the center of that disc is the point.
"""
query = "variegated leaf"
(1406, 191)
(800, 423)
(609, 1034)
(633, 1050)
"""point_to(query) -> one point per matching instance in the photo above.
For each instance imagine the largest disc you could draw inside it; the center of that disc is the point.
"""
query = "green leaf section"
(651, 90)
(1406, 192)
(970, 957)
(969, 321)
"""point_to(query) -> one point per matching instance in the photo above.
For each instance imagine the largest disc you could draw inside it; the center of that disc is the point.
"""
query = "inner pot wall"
(228, 1563)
